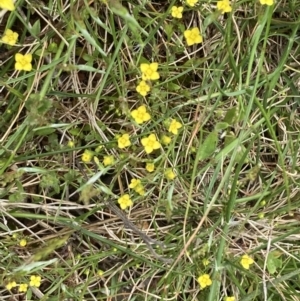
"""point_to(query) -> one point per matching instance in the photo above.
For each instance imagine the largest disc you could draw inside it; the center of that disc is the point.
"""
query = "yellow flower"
(11, 285)
(191, 2)
(140, 189)
(137, 186)
(23, 287)
(35, 281)
(71, 143)
(140, 115)
(166, 140)
(7, 4)
(224, 6)
(125, 201)
(149, 71)
(169, 174)
(124, 141)
(100, 273)
(23, 62)
(205, 262)
(174, 126)
(267, 2)
(87, 156)
(23, 242)
(246, 261)
(108, 160)
(204, 280)
(150, 143)
(176, 12)
(193, 36)
(143, 88)
(229, 299)
(10, 37)
(134, 183)
(150, 167)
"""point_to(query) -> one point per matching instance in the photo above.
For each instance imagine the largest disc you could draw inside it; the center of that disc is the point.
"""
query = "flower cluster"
(137, 186)
(35, 281)
(149, 72)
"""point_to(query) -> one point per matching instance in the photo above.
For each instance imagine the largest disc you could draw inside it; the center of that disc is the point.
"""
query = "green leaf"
(221, 126)
(273, 261)
(209, 146)
(232, 116)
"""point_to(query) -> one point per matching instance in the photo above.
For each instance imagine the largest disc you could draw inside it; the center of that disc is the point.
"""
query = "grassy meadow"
(149, 150)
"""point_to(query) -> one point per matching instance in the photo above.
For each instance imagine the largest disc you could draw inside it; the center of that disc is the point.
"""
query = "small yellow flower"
(149, 71)
(174, 126)
(71, 144)
(191, 2)
(134, 183)
(140, 115)
(193, 36)
(11, 285)
(23, 62)
(150, 143)
(10, 37)
(139, 189)
(267, 2)
(23, 242)
(100, 273)
(150, 167)
(246, 261)
(143, 88)
(205, 262)
(7, 4)
(125, 201)
(23, 288)
(35, 281)
(108, 160)
(204, 280)
(176, 12)
(124, 141)
(87, 156)
(229, 299)
(169, 174)
(166, 140)
(224, 6)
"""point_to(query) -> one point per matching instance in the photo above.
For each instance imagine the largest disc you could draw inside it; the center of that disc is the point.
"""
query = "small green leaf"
(273, 262)
(221, 126)
(209, 146)
(232, 116)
